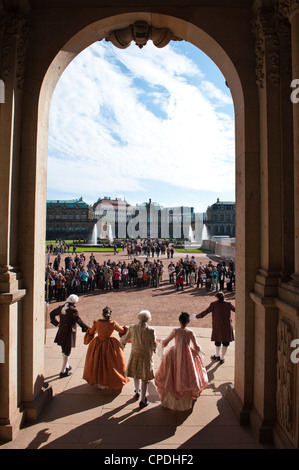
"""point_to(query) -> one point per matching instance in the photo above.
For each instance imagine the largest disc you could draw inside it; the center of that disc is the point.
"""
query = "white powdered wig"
(72, 299)
(144, 316)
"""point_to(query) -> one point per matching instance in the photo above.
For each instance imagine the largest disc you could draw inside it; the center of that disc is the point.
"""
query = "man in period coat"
(67, 328)
(222, 328)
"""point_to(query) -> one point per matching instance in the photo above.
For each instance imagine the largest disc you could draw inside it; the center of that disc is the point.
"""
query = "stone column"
(294, 18)
(267, 26)
(290, 8)
(11, 37)
(21, 381)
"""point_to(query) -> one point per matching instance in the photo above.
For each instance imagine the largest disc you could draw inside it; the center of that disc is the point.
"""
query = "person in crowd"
(171, 272)
(180, 278)
(214, 277)
(66, 317)
(83, 276)
(200, 276)
(222, 328)
(221, 277)
(181, 376)
(141, 365)
(139, 277)
(125, 276)
(192, 276)
(108, 273)
(80, 280)
(60, 288)
(229, 280)
(208, 273)
(145, 278)
(105, 364)
(116, 275)
(100, 278)
(91, 277)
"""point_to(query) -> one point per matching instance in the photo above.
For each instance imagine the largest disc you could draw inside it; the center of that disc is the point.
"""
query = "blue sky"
(142, 124)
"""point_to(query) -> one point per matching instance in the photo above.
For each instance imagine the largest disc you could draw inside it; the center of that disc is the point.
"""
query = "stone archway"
(38, 88)
(184, 30)
(225, 35)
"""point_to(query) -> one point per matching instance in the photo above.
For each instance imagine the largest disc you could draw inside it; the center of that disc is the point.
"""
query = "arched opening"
(38, 92)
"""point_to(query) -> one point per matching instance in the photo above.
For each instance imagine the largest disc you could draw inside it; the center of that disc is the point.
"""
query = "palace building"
(69, 220)
(220, 219)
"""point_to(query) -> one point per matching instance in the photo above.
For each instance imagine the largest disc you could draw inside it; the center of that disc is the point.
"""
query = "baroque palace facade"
(255, 44)
(69, 220)
(220, 219)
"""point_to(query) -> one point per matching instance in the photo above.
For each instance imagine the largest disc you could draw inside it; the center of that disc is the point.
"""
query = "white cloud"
(104, 137)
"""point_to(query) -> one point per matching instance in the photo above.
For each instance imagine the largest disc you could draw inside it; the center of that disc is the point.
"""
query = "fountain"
(192, 242)
(191, 236)
(95, 234)
(110, 235)
(205, 235)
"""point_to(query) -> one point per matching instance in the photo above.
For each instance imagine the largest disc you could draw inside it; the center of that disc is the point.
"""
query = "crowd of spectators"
(78, 275)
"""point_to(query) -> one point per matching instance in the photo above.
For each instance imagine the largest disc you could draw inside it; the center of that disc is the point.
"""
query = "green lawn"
(83, 249)
(88, 249)
(192, 250)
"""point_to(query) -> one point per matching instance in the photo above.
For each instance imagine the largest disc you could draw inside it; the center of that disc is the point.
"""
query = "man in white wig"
(141, 365)
(67, 329)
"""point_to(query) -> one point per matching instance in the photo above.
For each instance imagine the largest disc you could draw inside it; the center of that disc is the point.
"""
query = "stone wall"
(222, 250)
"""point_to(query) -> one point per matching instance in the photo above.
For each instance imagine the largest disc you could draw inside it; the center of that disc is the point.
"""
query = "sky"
(142, 124)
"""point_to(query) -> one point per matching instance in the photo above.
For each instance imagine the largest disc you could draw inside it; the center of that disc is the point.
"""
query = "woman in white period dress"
(181, 376)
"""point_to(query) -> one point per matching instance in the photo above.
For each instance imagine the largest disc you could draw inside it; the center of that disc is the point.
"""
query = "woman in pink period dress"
(181, 376)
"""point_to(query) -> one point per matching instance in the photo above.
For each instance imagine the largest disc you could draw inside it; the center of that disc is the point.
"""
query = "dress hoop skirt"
(105, 363)
(181, 376)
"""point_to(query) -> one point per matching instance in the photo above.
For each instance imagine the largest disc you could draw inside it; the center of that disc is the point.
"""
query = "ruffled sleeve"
(89, 334)
(122, 330)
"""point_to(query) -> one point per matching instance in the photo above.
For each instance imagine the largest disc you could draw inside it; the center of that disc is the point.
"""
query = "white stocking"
(137, 385)
(223, 352)
(218, 351)
(64, 362)
(143, 391)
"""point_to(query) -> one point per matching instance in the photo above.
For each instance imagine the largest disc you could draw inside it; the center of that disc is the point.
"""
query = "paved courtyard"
(81, 416)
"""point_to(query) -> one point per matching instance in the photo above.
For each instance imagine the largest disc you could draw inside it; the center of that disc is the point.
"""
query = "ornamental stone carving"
(286, 377)
(286, 7)
(141, 32)
(14, 36)
(268, 27)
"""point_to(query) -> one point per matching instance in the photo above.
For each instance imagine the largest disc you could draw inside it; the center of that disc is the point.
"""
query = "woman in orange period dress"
(181, 376)
(105, 363)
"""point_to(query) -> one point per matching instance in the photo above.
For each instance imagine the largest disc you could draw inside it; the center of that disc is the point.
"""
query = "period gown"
(181, 376)
(105, 363)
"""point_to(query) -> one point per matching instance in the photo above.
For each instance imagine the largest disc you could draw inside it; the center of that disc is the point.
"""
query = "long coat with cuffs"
(222, 327)
(67, 327)
(140, 364)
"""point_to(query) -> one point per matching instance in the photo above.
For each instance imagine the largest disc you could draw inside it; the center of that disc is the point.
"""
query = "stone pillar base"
(9, 428)
(280, 439)
(263, 430)
(241, 411)
(26, 414)
(248, 416)
(32, 409)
